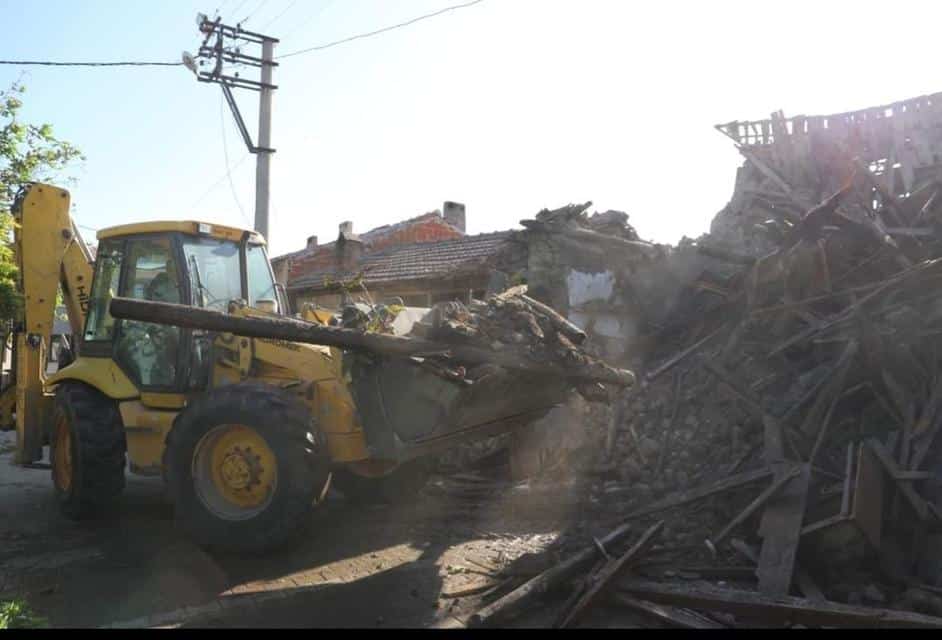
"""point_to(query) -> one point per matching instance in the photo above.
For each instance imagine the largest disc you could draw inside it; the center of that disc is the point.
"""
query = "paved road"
(379, 566)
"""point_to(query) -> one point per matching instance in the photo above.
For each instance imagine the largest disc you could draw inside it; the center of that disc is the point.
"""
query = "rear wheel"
(86, 449)
(245, 464)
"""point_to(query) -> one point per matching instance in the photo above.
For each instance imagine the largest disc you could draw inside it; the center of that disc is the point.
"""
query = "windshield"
(261, 283)
(213, 268)
(215, 274)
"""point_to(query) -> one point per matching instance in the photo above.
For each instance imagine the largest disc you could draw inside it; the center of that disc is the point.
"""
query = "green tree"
(17, 614)
(28, 153)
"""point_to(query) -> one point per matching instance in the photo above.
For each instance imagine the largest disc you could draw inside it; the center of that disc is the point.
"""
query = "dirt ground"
(373, 567)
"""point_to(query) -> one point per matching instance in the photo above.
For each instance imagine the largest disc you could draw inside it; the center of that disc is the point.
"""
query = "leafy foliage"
(16, 614)
(28, 153)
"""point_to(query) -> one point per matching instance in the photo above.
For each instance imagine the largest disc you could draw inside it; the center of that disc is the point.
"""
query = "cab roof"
(190, 227)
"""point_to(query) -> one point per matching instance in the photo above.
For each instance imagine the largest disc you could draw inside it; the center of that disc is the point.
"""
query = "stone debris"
(785, 423)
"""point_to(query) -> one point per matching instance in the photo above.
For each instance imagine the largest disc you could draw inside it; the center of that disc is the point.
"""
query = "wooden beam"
(517, 600)
(610, 572)
(754, 506)
(784, 608)
(680, 498)
(905, 488)
(663, 613)
(294, 330)
(781, 532)
(831, 393)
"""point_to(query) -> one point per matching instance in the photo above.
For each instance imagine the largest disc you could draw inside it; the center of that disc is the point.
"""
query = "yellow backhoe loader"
(246, 428)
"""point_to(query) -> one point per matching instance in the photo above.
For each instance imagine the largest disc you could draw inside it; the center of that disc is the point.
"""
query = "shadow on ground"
(380, 565)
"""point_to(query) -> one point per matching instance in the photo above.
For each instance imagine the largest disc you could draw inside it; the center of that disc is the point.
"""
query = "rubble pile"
(514, 321)
(779, 460)
(576, 220)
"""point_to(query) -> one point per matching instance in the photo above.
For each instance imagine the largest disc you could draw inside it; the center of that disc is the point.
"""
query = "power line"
(254, 11)
(379, 31)
(275, 19)
(225, 151)
(239, 6)
(219, 180)
(221, 5)
(304, 23)
(46, 63)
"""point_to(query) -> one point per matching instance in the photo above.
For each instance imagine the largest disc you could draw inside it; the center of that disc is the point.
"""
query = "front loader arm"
(49, 253)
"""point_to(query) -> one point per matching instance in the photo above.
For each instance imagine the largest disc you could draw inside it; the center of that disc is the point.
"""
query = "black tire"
(400, 486)
(96, 449)
(299, 449)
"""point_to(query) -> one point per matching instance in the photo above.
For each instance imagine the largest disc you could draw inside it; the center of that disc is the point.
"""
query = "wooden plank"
(472, 589)
(666, 614)
(675, 413)
(517, 600)
(753, 506)
(868, 497)
(923, 431)
(783, 608)
(581, 585)
(781, 531)
(905, 488)
(739, 390)
(680, 498)
(824, 524)
(803, 579)
(925, 443)
(912, 476)
(610, 572)
(831, 393)
(720, 573)
(683, 355)
(847, 492)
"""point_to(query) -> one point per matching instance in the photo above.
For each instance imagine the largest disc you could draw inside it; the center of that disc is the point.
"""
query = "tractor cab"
(191, 263)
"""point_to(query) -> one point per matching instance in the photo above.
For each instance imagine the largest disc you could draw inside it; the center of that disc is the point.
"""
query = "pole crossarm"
(226, 50)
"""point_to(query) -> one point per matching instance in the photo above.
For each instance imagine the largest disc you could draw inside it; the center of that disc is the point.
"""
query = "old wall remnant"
(591, 269)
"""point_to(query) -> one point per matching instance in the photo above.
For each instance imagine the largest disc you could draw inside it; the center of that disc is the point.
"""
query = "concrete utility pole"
(219, 54)
(263, 158)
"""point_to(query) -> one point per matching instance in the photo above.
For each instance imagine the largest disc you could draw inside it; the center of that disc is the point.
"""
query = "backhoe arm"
(49, 253)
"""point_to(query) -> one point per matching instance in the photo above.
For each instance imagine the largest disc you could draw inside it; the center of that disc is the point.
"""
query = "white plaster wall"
(586, 287)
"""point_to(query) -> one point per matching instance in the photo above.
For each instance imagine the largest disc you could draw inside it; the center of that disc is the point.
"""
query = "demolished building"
(779, 461)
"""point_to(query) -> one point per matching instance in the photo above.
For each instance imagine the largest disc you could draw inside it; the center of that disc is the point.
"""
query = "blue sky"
(508, 106)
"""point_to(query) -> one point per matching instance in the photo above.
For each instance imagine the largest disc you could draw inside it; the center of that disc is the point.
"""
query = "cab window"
(261, 283)
(99, 325)
(149, 352)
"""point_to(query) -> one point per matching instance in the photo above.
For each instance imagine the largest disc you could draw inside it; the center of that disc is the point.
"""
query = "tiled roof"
(411, 262)
(380, 237)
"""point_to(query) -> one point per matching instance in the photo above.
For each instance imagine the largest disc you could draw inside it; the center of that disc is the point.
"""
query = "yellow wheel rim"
(234, 472)
(62, 461)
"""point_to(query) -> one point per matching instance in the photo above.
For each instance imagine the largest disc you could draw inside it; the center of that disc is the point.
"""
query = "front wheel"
(245, 464)
(86, 449)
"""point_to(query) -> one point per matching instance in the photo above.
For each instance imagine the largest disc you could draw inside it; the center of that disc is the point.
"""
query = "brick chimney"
(349, 247)
(454, 214)
(312, 242)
